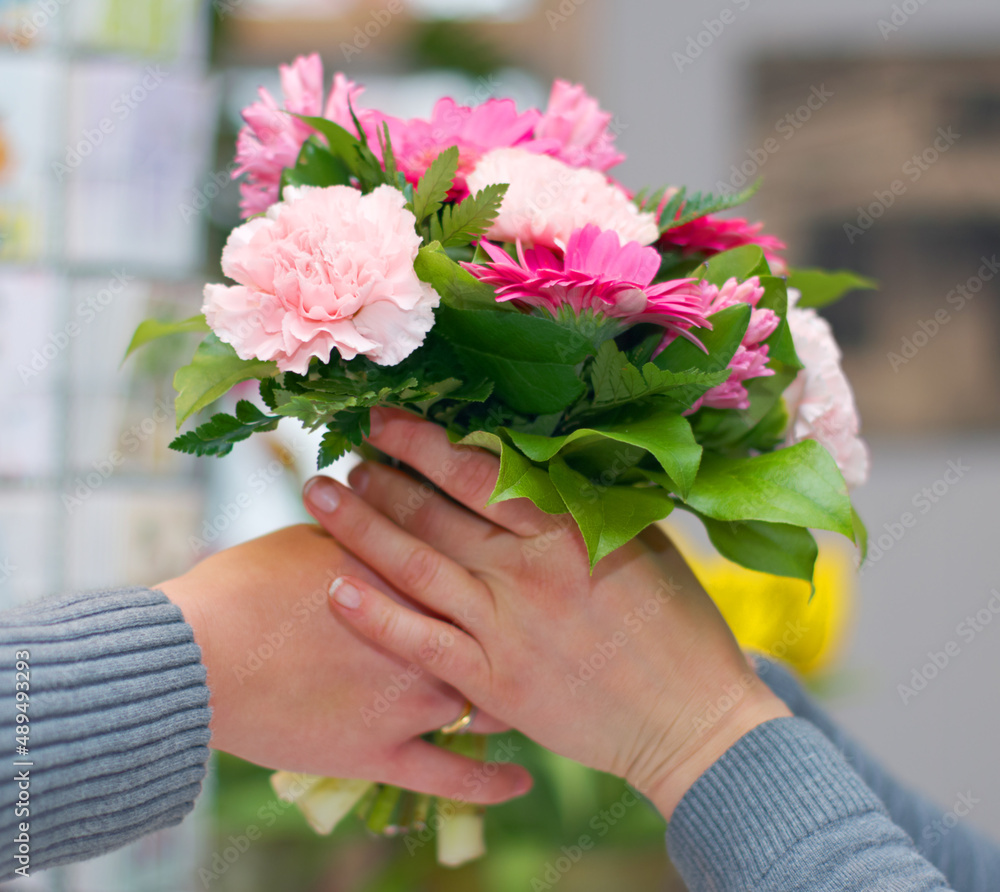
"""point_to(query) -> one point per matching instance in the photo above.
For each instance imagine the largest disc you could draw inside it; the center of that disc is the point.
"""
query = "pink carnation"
(273, 138)
(596, 274)
(325, 269)
(475, 130)
(575, 123)
(548, 200)
(750, 359)
(820, 400)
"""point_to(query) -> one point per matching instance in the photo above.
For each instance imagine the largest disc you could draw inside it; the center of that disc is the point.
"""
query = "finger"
(409, 564)
(421, 510)
(436, 646)
(468, 475)
(444, 705)
(426, 768)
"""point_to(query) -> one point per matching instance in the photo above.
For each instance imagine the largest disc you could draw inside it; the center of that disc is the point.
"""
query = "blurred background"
(876, 130)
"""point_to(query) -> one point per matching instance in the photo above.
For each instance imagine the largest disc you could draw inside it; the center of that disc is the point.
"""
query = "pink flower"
(710, 235)
(475, 130)
(548, 200)
(596, 274)
(575, 122)
(820, 400)
(325, 269)
(750, 359)
(273, 138)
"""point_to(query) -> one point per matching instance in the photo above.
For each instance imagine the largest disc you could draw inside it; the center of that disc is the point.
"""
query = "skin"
(509, 588)
(310, 704)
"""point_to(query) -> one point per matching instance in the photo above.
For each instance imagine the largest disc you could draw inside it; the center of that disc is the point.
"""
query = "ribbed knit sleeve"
(781, 811)
(118, 724)
(969, 860)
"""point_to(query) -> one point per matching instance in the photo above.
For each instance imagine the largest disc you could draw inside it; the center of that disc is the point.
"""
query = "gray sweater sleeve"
(782, 811)
(969, 860)
(117, 724)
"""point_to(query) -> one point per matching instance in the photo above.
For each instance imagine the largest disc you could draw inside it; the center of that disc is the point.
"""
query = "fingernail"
(377, 423)
(359, 479)
(322, 492)
(522, 786)
(345, 594)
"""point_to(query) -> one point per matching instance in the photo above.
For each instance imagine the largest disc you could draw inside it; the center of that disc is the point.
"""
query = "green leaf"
(777, 548)
(465, 223)
(481, 439)
(316, 166)
(360, 160)
(520, 478)
(820, 287)
(860, 534)
(740, 263)
(532, 361)
(682, 209)
(617, 382)
(608, 517)
(800, 485)
(213, 370)
(218, 435)
(434, 185)
(333, 445)
(457, 287)
(665, 435)
(154, 329)
(782, 347)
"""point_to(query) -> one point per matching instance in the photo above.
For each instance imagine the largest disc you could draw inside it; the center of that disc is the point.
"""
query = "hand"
(292, 687)
(631, 670)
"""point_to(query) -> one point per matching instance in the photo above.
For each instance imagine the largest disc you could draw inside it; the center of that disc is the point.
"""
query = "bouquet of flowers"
(625, 355)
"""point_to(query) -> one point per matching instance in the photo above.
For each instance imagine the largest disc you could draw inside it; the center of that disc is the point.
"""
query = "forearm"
(118, 724)
(969, 860)
(781, 811)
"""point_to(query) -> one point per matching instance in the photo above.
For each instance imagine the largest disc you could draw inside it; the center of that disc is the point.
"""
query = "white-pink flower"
(820, 401)
(575, 123)
(326, 269)
(548, 200)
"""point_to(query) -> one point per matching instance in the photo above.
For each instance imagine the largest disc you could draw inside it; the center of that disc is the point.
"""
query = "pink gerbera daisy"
(710, 235)
(595, 274)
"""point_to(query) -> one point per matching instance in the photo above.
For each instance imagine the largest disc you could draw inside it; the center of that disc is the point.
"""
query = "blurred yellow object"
(774, 614)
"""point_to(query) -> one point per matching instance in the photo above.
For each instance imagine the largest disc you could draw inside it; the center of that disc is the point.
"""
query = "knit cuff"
(777, 785)
(118, 722)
